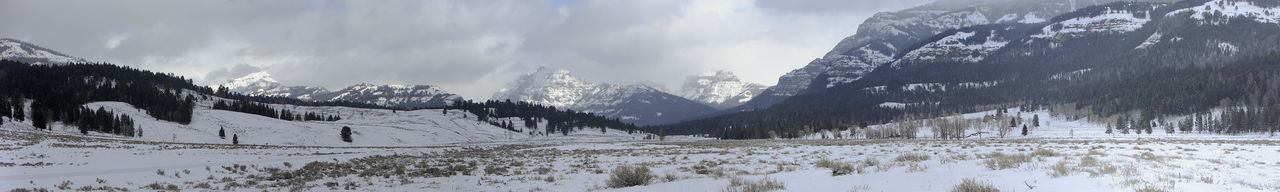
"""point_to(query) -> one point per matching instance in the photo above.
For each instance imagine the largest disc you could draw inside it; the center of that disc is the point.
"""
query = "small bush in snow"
(998, 161)
(972, 185)
(1060, 169)
(669, 177)
(1044, 153)
(626, 176)
(912, 157)
(839, 168)
(762, 185)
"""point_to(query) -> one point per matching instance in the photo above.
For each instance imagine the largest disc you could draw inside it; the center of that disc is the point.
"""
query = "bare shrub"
(839, 168)
(627, 176)
(972, 185)
(912, 157)
(762, 185)
(998, 161)
(1150, 189)
(1060, 169)
(1041, 152)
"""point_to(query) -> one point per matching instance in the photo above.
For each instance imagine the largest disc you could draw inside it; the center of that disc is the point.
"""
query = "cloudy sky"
(471, 47)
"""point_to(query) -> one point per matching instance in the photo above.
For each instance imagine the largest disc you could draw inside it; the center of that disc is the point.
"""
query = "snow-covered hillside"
(638, 103)
(401, 96)
(1218, 12)
(13, 49)
(720, 89)
(960, 47)
(886, 36)
(370, 127)
(1111, 21)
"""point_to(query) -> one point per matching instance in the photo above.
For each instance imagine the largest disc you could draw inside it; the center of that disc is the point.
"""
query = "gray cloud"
(469, 47)
(227, 74)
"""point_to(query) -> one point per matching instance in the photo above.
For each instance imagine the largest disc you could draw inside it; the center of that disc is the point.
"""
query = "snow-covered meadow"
(1060, 155)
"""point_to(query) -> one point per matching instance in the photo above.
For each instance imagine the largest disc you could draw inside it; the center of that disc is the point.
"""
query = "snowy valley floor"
(41, 161)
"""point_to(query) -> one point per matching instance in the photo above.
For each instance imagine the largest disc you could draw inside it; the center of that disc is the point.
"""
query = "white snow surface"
(1231, 9)
(1113, 21)
(1151, 41)
(18, 50)
(370, 127)
(955, 48)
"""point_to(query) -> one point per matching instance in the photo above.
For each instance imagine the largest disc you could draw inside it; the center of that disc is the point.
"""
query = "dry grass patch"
(912, 157)
(839, 168)
(998, 161)
(1060, 169)
(742, 185)
(972, 185)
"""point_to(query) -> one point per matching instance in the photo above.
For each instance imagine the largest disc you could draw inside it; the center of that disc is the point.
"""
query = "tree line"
(266, 110)
(530, 115)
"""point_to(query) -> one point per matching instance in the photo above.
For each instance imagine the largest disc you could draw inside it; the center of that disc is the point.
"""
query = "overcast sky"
(470, 47)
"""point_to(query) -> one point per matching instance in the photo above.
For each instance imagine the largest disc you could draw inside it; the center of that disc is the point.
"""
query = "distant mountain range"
(640, 104)
(13, 49)
(397, 96)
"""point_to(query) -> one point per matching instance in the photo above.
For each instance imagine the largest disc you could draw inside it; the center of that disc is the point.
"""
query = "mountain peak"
(260, 79)
(720, 89)
(17, 50)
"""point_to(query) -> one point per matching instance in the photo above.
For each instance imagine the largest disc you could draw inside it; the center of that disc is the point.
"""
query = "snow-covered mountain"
(13, 49)
(261, 84)
(720, 89)
(400, 96)
(403, 96)
(886, 36)
(639, 103)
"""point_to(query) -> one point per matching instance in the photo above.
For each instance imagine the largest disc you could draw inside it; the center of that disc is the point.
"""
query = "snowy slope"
(13, 49)
(1218, 12)
(370, 127)
(720, 89)
(886, 36)
(402, 96)
(639, 103)
(1112, 21)
(959, 47)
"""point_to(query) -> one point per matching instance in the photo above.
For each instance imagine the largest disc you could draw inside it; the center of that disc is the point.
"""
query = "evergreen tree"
(84, 130)
(5, 108)
(1035, 120)
(1024, 130)
(19, 113)
(38, 117)
(18, 109)
(346, 134)
(1109, 128)
(1122, 124)
(235, 139)
(222, 133)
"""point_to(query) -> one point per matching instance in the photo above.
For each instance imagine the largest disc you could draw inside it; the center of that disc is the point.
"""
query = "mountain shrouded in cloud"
(468, 47)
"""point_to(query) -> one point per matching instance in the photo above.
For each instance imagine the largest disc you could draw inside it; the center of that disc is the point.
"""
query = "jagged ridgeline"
(1140, 60)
